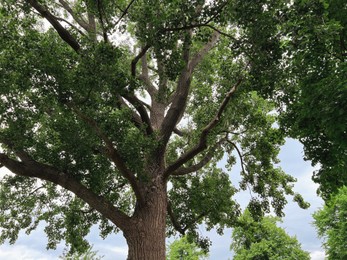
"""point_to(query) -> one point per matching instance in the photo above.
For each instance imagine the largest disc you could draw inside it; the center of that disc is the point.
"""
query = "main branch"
(63, 33)
(179, 101)
(30, 168)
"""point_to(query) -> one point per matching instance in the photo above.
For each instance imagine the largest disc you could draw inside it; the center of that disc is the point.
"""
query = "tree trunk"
(146, 235)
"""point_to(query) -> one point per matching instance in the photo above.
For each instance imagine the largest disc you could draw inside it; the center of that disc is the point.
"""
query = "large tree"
(117, 114)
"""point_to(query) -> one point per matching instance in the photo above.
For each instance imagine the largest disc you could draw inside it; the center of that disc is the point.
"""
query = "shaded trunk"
(146, 235)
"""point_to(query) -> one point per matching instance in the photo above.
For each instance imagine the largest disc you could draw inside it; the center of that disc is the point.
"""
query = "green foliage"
(184, 249)
(87, 255)
(86, 113)
(331, 224)
(264, 240)
(316, 105)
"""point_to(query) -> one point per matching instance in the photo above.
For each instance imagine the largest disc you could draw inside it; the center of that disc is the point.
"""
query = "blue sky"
(297, 222)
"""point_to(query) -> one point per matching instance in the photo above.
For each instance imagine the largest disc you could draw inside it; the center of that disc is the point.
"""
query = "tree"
(183, 249)
(105, 104)
(264, 240)
(330, 222)
(317, 107)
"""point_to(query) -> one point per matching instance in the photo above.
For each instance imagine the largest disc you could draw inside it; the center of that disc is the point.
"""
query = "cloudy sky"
(297, 222)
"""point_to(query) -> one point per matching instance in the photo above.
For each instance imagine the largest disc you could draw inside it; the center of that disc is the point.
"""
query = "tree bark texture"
(147, 230)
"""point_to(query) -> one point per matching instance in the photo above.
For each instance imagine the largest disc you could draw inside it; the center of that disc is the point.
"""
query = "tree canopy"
(118, 114)
(331, 224)
(184, 249)
(263, 239)
(317, 107)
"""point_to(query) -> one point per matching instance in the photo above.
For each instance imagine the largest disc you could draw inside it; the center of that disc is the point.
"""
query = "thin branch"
(37, 189)
(124, 12)
(240, 155)
(174, 220)
(63, 33)
(104, 32)
(67, 181)
(78, 20)
(67, 22)
(201, 215)
(242, 164)
(204, 161)
(137, 58)
(112, 153)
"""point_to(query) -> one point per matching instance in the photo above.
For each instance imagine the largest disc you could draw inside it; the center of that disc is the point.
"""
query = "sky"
(297, 222)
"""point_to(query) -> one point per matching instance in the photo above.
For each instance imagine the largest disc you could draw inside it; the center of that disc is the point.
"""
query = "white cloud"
(112, 252)
(22, 252)
(317, 255)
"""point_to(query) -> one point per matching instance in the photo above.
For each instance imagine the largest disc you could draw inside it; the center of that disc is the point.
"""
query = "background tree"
(263, 239)
(331, 224)
(316, 105)
(184, 249)
(95, 126)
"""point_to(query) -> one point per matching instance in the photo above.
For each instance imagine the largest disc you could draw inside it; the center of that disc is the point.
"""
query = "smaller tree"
(185, 249)
(331, 223)
(263, 239)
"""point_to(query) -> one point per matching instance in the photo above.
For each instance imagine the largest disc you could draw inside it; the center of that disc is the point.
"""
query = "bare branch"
(37, 189)
(48, 173)
(178, 132)
(63, 33)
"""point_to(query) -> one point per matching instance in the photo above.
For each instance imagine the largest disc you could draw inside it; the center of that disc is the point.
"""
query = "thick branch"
(142, 111)
(152, 91)
(179, 101)
(67, 22)
(63, 33)
(202, 145)
(45, 172)
(202, 53)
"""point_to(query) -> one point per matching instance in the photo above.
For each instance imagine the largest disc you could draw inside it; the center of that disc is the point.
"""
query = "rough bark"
(146, 234)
